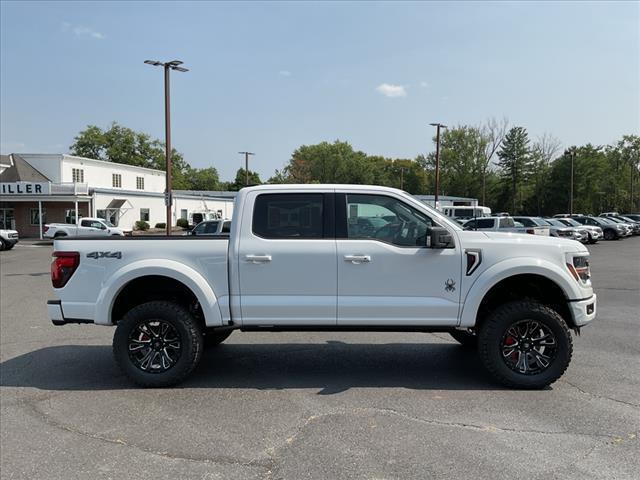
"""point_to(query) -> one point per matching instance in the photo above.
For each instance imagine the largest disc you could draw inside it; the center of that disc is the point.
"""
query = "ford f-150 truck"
(329, 258)
(88, 227)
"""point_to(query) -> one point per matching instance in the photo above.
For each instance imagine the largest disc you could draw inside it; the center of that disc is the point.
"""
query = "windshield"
(571, 221)
(555, 223)
(108, 223)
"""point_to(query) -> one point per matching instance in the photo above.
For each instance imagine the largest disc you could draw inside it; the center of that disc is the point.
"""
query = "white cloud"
(82, 31)
(284, 73)
(392, 91)
(424, 84)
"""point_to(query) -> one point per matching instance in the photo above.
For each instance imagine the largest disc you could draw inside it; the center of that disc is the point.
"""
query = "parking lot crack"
(265, 464)
(595, 395)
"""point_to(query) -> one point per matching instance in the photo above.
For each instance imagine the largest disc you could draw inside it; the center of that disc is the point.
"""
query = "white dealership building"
(50, 188)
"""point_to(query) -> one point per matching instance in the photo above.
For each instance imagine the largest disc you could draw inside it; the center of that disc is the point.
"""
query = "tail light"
(44, 230)
(63, 265)
(531, 231)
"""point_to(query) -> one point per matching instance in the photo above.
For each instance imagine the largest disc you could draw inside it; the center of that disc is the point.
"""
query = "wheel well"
(526, 287)
(155, 287)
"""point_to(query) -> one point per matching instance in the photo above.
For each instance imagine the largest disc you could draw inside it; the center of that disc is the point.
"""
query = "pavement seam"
(220, 460)
(595, 395)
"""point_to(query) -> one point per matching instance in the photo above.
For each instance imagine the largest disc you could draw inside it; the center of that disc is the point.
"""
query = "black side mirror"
(440, 238)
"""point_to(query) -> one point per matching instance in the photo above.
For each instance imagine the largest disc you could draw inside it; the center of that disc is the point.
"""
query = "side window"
(85, 223)
(527, 222)
(226, 227)
(210, 227)
(97, 225)
(470, 224)
(289, 215)
(485, 223)
(199, 230)
(506, 222)
(387, 219)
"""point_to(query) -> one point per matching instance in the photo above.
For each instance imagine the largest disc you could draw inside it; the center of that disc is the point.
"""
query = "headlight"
(579, 268)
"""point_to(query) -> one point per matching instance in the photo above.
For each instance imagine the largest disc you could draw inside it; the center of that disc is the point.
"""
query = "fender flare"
(166, 268)
(509, 268)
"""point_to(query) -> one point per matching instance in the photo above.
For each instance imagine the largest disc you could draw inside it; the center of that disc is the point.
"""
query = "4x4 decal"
(97, 255)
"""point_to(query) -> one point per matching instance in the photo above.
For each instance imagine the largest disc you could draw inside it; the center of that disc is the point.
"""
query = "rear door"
(386, 274)
(287, 259)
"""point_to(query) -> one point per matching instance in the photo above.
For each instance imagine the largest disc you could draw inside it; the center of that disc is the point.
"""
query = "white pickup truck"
(329, 258)
(88, 227)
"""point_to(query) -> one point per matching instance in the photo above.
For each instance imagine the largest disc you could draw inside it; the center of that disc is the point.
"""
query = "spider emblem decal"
(450, 285)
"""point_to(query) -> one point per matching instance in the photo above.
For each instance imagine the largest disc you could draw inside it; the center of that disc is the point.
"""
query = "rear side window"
(289, 216)
(507, 222)
(226, 227)
(211, 227)
(485, 223)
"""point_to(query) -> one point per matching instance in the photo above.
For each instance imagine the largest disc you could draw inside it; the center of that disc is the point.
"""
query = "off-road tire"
(465, 338)
(496, 325)
(191, 340)
(213, 338)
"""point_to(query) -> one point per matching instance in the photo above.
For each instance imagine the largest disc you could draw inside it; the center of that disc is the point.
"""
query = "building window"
(184, 214)
(34, 218)
(144, 214)
(116, 180)
(70, 216)
(77, 175)
(140, 183)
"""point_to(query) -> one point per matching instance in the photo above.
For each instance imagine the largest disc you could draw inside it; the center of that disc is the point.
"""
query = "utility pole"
(401, 178)
(246, 166)
(172, 65)
(438, 127)
(573, 154)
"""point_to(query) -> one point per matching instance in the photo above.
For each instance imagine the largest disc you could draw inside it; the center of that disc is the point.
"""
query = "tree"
(493, 132)
(542, 152)
(240, 180)
(515, 162)
(204, 179)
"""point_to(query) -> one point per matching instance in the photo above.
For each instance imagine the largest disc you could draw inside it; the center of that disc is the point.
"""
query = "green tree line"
(500, 165)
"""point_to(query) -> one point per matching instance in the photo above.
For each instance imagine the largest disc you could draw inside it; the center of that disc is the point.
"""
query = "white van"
(465, 213)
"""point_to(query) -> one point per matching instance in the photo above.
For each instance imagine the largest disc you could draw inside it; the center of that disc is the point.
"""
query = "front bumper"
(56, 315)
(583, 311)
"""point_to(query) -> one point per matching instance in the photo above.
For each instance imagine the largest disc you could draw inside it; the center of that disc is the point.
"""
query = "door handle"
(258, 258)
(357, 259)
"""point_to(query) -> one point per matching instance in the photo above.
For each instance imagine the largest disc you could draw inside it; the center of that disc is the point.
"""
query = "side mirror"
(440, 238)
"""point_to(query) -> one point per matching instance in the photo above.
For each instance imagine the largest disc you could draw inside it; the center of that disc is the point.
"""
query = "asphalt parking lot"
(316, 406)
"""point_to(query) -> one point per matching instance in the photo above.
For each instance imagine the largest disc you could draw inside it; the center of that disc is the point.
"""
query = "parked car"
(292, 263)
(633, 216)
(559, 229)
(8, 239)
(211, 228)
(609, 214)
(635, 225)
(88, 227)
(594, 233)
(533, 222)
(504, 224)
(627, 226)
(610, 230)
(465, 213)
(567, 215)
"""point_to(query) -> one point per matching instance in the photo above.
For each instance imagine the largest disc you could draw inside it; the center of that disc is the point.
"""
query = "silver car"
(594, 232)
(559, 229)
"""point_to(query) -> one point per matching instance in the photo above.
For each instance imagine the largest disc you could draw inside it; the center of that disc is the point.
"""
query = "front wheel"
(610, 235)
(525, 345)
(157, 344)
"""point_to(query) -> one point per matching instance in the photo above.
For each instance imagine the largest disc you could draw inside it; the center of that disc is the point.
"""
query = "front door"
(287, 260)
(386, 274)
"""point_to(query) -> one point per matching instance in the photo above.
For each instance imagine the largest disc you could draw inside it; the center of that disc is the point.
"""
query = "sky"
(270, 77)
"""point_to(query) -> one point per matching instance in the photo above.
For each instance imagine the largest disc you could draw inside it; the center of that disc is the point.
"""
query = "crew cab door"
(386, 274)
(88, 228)
(287, 259)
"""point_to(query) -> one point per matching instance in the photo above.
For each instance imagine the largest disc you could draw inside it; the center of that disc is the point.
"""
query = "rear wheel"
(157, 344)
(465, 338)
(3, 245)
(525, 345)
(59, 234)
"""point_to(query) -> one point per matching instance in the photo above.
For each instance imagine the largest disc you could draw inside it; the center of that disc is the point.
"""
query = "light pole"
(438, 127)
(172, 65)
(401, 178)
(246, 166)
(573, 154)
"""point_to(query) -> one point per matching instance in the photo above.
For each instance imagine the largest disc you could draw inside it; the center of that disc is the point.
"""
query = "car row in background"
(211, 228)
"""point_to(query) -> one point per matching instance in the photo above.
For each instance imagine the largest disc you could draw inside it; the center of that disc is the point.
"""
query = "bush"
(161, 225)
(183, 223)
(142, 225)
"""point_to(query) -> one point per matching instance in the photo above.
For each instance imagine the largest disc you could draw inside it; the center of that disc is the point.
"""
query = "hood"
(565, 244)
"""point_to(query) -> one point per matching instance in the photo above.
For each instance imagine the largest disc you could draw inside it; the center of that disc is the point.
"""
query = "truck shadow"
(330, 367)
